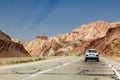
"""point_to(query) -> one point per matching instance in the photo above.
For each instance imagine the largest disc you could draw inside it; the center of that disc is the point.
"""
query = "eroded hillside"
(8, 48)
(72, 43)
(110, 44)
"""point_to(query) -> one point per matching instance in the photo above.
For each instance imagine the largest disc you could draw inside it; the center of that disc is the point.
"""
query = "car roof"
(91, 49)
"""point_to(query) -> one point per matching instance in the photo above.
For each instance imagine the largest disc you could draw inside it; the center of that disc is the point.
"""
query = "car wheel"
(85, 60)
(98, 60)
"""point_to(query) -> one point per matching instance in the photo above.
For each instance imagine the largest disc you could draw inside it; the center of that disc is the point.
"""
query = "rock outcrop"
(8, 48)
(108, 45)
(4, 36)
(43, 46)
(35, 47)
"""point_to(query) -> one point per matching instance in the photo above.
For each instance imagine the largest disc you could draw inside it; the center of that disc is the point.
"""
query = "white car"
(91, 54)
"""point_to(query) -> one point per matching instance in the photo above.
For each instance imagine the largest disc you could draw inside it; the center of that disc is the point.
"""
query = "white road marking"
(41, 72)
(115, 71)
(30, 63)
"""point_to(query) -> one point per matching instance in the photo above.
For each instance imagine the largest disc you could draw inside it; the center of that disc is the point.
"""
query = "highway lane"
(68, 68)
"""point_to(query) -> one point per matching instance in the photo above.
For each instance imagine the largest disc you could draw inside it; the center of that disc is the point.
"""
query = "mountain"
(103, 36)
(109, 44)
(4, 36)
(35, 47)
(72, 43)
(8, 48)
(89, 31)
(95, 42)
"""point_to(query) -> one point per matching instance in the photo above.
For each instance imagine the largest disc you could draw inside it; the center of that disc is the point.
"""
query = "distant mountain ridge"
(103, 36)
(89, 31)
(72, 43)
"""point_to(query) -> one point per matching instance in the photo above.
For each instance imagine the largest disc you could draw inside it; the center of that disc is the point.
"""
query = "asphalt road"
(68, 68)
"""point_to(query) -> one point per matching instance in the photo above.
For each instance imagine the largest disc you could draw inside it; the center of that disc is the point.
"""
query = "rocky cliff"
(8, 48)
(35, 47)
(109, 44)
(4, 36)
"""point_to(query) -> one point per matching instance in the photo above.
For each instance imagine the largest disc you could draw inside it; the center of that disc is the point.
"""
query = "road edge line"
(114, 70)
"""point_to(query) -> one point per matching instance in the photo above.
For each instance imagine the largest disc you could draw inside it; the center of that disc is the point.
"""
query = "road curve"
(68, 68)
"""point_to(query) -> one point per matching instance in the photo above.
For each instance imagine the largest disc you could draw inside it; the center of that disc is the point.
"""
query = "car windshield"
(92, 51)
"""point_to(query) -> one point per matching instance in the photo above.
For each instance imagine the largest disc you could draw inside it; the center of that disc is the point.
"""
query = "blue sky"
(26, 19)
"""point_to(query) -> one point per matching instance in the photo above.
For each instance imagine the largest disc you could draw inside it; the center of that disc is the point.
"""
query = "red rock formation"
(8, 48)
(89, 31)
(110, 44)
(42, 37)
(35, 47)
(76, 40)
(4, 36)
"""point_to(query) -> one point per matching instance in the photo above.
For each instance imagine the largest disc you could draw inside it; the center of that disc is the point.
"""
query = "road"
(67, 68)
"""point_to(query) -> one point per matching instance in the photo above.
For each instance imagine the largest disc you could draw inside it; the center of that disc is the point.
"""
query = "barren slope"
(8, 48)
(70, 43)
(110, 44)
(4, 36)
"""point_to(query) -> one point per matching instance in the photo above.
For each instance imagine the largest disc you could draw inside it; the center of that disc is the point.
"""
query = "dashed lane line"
(48, 70)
